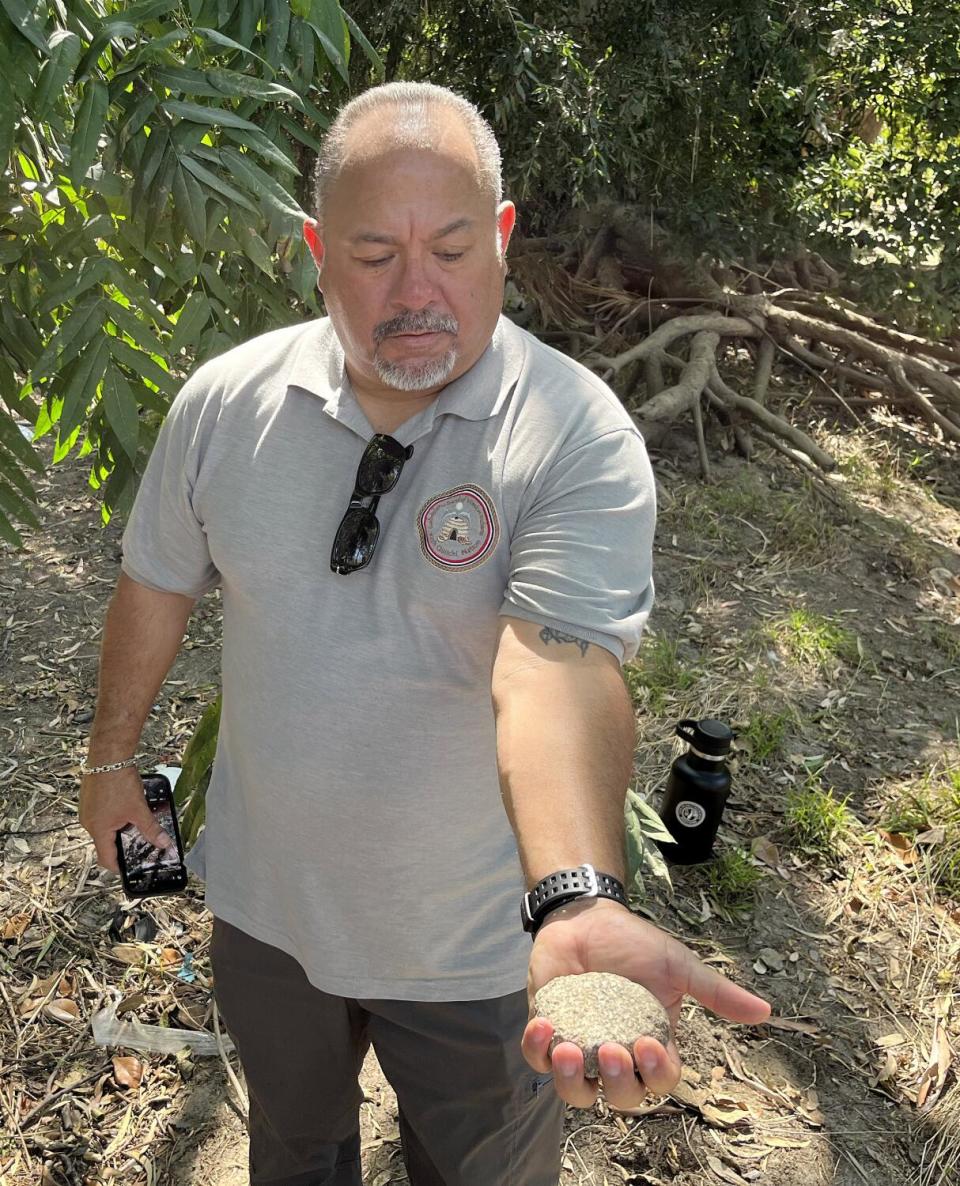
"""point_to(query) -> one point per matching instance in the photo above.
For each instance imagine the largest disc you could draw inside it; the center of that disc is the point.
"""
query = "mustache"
(416, 323)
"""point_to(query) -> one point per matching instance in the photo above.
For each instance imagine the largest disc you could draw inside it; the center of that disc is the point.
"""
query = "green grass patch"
(763, 735)
(816, 819)
(812, 639)
(947, 641)
(931, 804)
(659, 673)
(743, 509)
(733, 880)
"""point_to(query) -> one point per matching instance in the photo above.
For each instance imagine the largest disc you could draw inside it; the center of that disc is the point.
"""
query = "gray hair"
(414, 103)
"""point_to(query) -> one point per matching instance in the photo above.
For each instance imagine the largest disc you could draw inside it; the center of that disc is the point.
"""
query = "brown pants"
(472, 1112)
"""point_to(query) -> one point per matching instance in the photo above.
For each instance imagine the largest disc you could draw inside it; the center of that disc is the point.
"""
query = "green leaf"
(229, 43)
(122, 413)
(158, 143)
(94, 269)
(72, 334)
(24, 19)
(64, 54)
(186, 82)
(143, 365)
(89, 60)
(159, 192)
(209, 178)
(264, 147)
(326, 20)
(191, 203)
(234, 84)
(18, 445)
(277, 24)
(83, 384)
(191, 322)
(200, 114)
(357, 34)
(133, 14)
(12, 472)
(136, 118)
(7, 532)
(127, 322)
(214, 282)
(256, 249)
(263, 185)
(87, 128)
(13, 504)
(298, 133)
(648, 818)
(9, 119)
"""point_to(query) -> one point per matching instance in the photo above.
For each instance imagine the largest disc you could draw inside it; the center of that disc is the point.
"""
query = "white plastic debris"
(172, 772)
(110, 1030)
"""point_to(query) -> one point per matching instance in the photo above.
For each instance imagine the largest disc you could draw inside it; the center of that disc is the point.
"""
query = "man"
(433, 536)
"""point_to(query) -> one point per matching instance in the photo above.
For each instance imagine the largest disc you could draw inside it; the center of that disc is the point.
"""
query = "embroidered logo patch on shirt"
(459, 528)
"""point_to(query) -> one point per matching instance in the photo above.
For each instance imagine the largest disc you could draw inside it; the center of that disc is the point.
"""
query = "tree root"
(631, 300)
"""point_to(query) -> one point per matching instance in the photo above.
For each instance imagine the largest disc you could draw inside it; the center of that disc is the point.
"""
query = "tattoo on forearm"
(548, 635)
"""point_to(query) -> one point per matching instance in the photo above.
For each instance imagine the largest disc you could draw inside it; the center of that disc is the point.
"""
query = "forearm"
(141, 637)
(565, 738)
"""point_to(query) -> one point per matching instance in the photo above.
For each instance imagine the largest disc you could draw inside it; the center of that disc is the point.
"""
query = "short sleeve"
(164, 543)
(581, 556)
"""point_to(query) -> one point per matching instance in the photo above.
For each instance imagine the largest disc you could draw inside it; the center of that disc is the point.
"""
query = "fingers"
(622, 1087)
(723, 996)
(659, 1066)
(148, 827)
(107, 855)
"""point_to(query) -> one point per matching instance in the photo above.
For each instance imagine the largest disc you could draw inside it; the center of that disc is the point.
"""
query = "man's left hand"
(599, 935)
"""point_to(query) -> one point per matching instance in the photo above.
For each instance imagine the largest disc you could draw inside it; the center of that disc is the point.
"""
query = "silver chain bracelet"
(109, 766)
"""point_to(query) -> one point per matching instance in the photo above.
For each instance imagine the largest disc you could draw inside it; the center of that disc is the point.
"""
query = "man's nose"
(414, 288)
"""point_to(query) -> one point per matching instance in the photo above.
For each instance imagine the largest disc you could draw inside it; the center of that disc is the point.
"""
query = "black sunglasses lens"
(380, 465)
(356, 540)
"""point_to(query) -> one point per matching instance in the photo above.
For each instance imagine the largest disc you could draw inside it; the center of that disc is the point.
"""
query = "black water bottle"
(696, 791)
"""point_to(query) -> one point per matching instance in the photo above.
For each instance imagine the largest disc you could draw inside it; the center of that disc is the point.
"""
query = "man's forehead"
(450, 228)
(385, 132)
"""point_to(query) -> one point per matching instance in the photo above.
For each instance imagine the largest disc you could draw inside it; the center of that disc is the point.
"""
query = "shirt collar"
(317, 366)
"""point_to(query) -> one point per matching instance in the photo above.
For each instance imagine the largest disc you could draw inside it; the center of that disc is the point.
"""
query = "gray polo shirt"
(354, 816)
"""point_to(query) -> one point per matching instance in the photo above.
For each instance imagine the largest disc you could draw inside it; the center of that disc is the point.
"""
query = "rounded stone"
(598, 1007)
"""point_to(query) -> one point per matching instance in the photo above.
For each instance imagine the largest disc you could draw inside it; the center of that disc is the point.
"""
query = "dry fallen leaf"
(62, 1009)
(887, 1072)
(127, 1070)
(130, 953)
(724, 1172)
(931, 1081)
(723, 1117)
(15, 925)
(782, 1142)
(902, 846)
(765, 850)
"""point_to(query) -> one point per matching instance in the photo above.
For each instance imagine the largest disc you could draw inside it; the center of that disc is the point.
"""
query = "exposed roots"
(638, 311)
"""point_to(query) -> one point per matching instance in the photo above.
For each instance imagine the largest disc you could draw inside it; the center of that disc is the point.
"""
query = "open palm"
(603, 937)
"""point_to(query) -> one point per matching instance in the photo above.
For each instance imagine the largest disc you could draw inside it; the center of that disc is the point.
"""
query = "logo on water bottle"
(691, 815)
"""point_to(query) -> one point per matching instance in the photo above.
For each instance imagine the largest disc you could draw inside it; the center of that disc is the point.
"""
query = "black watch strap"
(567, 885)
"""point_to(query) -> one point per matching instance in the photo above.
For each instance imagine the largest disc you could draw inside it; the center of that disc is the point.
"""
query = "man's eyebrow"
(459, 224)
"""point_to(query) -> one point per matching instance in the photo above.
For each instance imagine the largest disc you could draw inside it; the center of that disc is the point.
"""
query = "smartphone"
(144, 868)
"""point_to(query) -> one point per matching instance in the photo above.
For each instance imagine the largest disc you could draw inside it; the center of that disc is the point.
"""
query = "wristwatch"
(567, 885)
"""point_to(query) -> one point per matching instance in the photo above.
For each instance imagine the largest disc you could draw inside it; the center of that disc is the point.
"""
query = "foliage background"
(156, 160)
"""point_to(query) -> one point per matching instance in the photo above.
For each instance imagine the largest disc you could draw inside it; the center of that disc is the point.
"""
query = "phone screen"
(145, 868)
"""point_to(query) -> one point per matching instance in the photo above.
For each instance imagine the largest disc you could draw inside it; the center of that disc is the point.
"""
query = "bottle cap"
(708, 737)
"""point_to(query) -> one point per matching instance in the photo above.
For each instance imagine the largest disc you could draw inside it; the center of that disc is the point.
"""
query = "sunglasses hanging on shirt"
(379, 471)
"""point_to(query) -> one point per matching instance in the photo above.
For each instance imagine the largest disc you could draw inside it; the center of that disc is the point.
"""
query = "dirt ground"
(822, 619)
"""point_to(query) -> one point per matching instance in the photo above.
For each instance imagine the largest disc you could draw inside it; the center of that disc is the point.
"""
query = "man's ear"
(311, 234)
(506, 220)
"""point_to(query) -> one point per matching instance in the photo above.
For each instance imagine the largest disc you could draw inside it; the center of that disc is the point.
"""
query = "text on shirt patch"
(459, 529)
